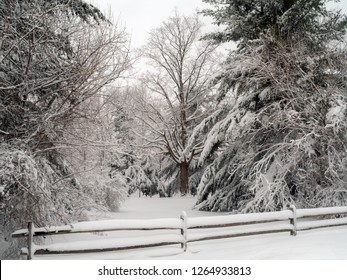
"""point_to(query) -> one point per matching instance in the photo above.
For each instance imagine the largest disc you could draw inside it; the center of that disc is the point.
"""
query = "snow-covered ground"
(319, 244)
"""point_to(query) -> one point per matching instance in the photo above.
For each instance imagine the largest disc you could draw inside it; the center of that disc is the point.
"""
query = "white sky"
(140, 16)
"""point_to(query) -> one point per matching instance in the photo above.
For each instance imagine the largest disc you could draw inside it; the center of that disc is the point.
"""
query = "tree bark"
(184, 168)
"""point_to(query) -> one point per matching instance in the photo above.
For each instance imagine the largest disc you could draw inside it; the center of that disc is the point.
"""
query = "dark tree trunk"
(184, 168)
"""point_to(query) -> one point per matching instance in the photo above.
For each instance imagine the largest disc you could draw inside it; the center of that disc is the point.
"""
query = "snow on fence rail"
(115, 244)
(316, 212)
(179, 230)
(240, 225)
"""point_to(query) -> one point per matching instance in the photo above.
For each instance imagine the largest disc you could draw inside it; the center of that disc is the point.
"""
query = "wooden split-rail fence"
(178, 231)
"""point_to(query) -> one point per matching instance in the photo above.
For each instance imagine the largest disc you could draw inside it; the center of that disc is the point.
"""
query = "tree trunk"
(184, 168)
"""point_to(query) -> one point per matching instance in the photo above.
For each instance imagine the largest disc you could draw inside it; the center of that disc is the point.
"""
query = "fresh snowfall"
(317, 244)
(213, 139)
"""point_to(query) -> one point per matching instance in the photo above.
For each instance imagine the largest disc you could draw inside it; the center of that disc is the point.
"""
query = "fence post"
(293, 221)
(30, 240)
(183, 217)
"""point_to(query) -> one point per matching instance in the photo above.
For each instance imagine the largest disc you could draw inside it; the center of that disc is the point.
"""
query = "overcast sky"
(140, 16)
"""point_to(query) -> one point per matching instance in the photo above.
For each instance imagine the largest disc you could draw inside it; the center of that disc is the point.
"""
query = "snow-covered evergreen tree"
(135, 172)
(280, 134)
(52, 59)
(131, 168)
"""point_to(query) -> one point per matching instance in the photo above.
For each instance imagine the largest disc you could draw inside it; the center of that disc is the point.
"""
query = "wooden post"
(293, 221)
(30, 240)
(184, 230)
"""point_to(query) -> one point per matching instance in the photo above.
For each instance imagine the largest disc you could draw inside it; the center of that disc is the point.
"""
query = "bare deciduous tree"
(180, 79)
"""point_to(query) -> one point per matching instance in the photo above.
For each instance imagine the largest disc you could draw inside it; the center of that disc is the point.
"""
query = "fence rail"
(183, 230)
(104, 226)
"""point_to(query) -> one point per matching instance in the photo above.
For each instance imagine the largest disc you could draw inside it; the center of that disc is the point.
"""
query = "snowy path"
(155, 207)
(330, 243)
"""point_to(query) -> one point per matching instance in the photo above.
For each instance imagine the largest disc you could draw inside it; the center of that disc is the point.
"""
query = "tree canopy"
(288, 20)
(181, 76)
(282, 136)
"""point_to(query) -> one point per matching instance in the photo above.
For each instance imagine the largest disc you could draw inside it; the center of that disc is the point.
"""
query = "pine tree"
(130, 168)
(281, 137)
(46, 73)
